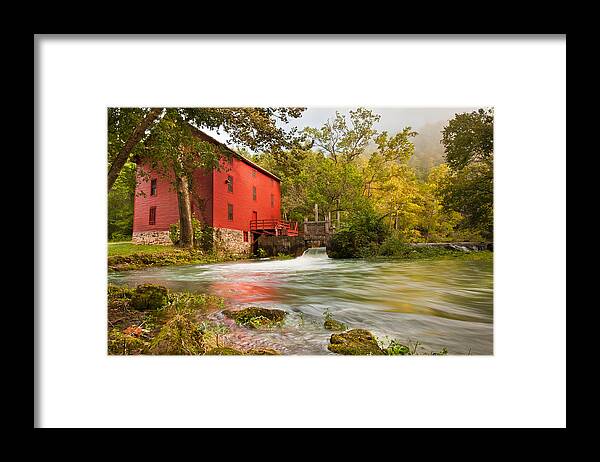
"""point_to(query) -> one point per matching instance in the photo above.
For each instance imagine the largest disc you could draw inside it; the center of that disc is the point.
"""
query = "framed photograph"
(289, 231)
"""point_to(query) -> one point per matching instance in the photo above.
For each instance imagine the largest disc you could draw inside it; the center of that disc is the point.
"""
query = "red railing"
(274, 227)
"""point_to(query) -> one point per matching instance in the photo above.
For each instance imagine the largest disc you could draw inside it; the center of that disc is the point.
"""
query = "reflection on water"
(440, 303)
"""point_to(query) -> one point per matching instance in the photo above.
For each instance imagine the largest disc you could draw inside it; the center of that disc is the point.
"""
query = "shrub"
(174, 233)
(360, 237)
(393, 246)
(119, 237)
(203, 235)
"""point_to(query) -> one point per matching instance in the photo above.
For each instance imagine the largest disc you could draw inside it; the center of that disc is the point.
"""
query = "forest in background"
(387, 188)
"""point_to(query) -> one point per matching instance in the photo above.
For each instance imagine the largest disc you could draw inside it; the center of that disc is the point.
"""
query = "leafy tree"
(166, 137)
(120, 204)
(126, 128)
(470, 192)
(469, 145)
(344, 141)
(468, 138)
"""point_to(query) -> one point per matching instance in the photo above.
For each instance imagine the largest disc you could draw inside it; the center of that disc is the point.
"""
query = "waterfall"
(315, 252)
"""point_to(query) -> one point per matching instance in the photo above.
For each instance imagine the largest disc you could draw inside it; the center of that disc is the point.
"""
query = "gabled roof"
(200, 134)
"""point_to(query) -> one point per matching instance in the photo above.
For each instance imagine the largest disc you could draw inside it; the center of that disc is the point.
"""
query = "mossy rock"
(263, 352)
(224, 351)
(178, 336)
(256, 317)
(332, 324)
(115, 291)
(149, 297)
(354, 342)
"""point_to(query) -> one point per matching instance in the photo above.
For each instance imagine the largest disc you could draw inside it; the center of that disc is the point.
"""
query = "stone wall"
(151, 237)
(273, 245)
(231, 242)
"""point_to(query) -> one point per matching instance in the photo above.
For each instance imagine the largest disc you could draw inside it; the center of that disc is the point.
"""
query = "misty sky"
(392, 119)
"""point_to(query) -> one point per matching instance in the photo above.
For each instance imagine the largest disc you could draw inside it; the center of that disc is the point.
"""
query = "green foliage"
(396, 348)
(469, 143)
(120, 205)
(350, 167)
(203, 235)
(174, 233)
(470, 191)
(468, 138)
(360, 237)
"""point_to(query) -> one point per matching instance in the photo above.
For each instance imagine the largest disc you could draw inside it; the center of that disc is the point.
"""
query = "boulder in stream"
(354, 342)
(256, 317)
(332, 324)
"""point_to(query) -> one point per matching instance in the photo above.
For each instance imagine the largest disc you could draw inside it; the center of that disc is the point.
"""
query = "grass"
(124, 256)
(127, 248)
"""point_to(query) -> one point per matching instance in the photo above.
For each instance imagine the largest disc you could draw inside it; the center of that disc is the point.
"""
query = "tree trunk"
(186, 228)
(133, 139)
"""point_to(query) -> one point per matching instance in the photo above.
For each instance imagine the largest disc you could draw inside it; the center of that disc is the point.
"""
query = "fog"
(428, 122)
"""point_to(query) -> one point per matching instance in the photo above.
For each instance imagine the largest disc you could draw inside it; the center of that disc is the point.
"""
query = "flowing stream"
(439, 303)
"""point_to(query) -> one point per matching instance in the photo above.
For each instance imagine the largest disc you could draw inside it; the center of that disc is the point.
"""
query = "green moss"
(354, 342)
(120, 343)
(148, 297)
(256, 317)
(224, 351)
(120, 292)
(178, 336)
(332, 324)
(262, 351)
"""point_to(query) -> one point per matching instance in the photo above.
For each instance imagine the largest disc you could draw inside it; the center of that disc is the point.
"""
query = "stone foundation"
(290, 245)
(152, 237)
(231, 242)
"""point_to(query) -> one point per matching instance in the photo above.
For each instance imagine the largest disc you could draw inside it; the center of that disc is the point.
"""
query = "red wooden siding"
(165, 201)
(241, 197)
(210, 198)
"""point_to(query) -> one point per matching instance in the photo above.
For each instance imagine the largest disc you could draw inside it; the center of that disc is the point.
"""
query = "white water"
(315, 252)
(440, 303)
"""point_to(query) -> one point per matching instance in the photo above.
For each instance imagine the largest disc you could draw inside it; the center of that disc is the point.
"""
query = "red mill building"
(240, 202)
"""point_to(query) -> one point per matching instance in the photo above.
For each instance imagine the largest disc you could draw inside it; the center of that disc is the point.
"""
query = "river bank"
(439, 302)
(125, 256)
(151, 320)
